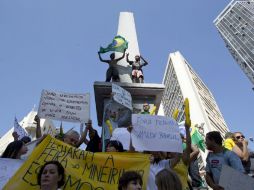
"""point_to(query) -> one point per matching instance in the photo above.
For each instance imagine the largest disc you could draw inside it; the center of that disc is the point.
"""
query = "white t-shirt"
(154, 169)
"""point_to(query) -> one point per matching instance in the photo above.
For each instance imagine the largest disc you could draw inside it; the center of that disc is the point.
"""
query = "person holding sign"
(114, 146)
(51, 176)
(72, 138)
(94, 144)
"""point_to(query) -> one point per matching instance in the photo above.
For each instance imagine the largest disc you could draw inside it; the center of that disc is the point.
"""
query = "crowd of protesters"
(168, 170)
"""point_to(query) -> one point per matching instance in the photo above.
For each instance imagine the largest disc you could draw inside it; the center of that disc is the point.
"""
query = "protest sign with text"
(155, 133)
(84, 170)
(122, 96)
(232, 179)
(64, 106)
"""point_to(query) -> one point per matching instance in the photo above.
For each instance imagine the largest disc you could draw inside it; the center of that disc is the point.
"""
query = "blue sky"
(53, 44)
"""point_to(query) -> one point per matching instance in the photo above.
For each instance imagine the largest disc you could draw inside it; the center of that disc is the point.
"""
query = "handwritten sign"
(8, 167)
(64, 106)
(84, 170)
(155, 133)
(232, 179)
(122, 96)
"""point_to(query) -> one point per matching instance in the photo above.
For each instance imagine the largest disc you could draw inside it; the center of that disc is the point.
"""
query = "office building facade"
(236, 26)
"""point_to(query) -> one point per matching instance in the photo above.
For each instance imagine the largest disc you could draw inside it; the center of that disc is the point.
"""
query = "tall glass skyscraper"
(236, 26)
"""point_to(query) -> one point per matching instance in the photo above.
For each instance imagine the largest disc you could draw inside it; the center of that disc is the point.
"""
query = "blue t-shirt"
(214, 162)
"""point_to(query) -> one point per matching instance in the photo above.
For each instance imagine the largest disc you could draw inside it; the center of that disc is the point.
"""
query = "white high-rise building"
(182, 82)
(236, 26)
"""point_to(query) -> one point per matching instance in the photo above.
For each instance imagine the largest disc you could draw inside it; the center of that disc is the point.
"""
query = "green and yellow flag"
(119, 44)
(196, 138)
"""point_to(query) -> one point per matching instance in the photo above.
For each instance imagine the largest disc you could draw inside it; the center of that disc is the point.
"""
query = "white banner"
(232, 179)
(8, 167)
(64, 106)
(155, 133)
(122, 96)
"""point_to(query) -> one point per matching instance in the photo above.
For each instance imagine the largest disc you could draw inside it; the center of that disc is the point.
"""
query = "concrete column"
(127, 29)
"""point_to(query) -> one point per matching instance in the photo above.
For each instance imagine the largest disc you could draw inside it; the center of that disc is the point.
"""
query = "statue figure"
(112, 71)
(137, 73)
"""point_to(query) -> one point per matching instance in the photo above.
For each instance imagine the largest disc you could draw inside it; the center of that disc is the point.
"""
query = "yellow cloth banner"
(84, 170)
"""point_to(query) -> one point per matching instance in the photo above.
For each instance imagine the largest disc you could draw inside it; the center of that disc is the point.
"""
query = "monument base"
(140, 92)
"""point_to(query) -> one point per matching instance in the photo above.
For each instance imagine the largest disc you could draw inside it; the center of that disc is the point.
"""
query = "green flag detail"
(119, 44)
(197, 139)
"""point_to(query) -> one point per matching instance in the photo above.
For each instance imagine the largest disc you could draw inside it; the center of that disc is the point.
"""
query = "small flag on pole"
(18, 129)
(118, 44)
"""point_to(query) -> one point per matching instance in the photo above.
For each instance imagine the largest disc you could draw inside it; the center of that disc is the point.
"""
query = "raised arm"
(145, 62)
(83, 138)
(102, 60)
(118, 59)
(245, 150)
(242, 153)
(38, 126)
(127, 59)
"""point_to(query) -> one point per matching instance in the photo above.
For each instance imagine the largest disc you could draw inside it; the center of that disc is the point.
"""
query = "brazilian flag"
(118, 44)
(196, 138)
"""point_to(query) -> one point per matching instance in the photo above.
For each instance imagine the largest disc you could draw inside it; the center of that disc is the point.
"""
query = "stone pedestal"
(140, 92)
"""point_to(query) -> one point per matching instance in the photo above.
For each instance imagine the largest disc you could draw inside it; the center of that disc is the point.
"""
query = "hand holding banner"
(84, 170)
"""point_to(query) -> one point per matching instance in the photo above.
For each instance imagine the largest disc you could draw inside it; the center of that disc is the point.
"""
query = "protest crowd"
(168, 170)
(151, 152)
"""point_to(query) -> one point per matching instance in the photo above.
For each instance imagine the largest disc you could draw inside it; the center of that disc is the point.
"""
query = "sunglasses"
(238, 137)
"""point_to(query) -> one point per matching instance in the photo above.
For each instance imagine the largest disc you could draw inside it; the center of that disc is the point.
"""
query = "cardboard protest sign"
(64, 106)
(232, 179)
(122, 96)
(8, 167)
(155, 133)
(84, 170)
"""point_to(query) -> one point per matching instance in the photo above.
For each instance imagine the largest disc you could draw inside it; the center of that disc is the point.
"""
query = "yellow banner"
(84, 170)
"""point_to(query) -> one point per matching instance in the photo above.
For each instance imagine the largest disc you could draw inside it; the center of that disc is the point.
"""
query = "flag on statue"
(17, 128)
(118, 44)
